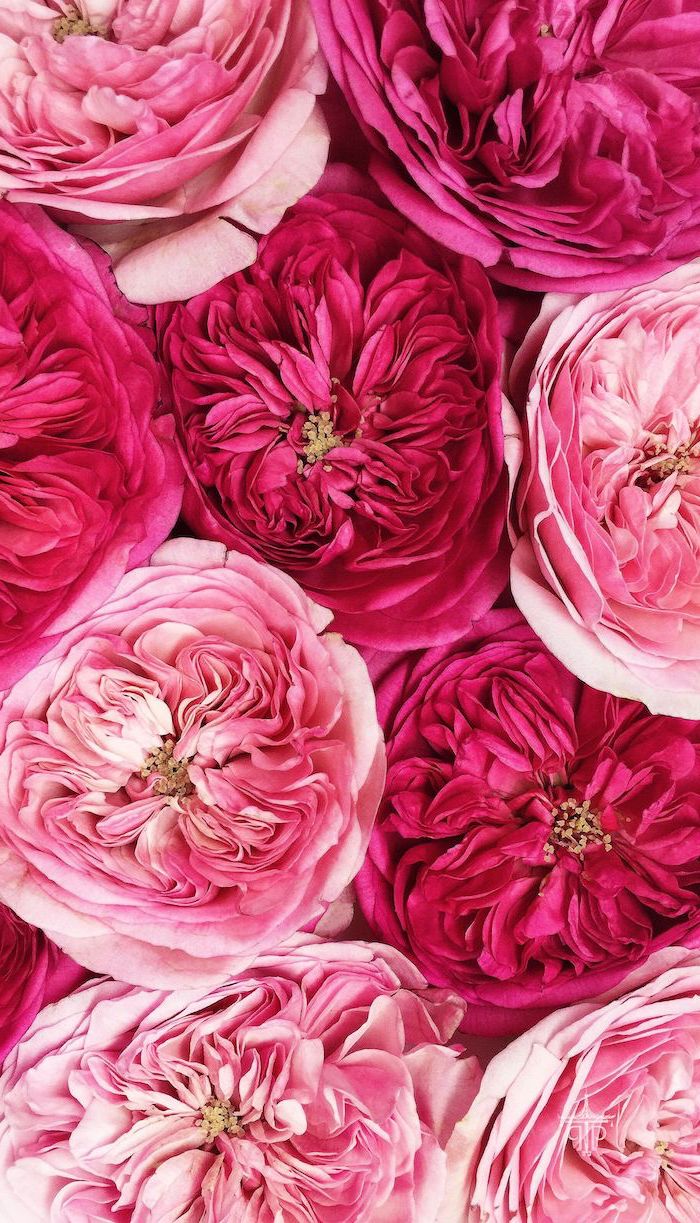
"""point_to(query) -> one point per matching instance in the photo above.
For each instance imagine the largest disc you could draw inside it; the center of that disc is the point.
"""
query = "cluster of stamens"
(575, 827)
(665, 463)
(72, 23)
(218, 1118)
(173, 779)
(320, 439)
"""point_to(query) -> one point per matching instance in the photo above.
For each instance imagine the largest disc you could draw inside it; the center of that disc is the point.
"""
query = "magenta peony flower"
(537, 838)
(608, 567)
(340, 415)
(89, 483)
(33, 972)
(593, 1114)
(191, 775)
(558, 142)
(166, 131)
(315, 1087)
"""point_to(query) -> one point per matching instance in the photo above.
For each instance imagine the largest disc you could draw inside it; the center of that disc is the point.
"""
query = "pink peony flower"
(557, 142)
(316, 1086)
(90, 482)
(607, 570)
(340, 415)
(191, 775)
(536, 838)
(166, 131)
(33, 972)
(593, 1114)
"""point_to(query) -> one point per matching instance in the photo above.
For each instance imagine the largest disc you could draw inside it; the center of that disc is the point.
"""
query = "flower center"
(173, 779)
(319, 438)
(663, 462)
(73, 23)
(575, 827)
(218, 1118)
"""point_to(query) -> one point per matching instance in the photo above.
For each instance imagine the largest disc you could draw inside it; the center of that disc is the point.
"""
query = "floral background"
(349, 611)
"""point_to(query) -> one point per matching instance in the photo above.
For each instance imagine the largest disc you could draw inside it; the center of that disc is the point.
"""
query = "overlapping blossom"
(89, 482)
(191, 775)
(340, 415)
(608, 566)
(560, 142)
(33, 973)
(593, 1114)
(536, 838)
(315, 1086)
(170, 132)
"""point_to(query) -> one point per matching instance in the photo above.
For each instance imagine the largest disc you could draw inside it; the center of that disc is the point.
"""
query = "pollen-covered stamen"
(662, 461)
(319, 439)
(575, 827)
(73, 22)
(173, 779)
(218, 1118)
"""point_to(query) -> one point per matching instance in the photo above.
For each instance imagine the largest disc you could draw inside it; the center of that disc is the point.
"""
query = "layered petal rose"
(33, 972)
(191, 775)
(607, 569)
(557, 142)
(536, 838)
(90, 483)
(169, 132)
(593, 1114)
(316, 1086)
(339, 411)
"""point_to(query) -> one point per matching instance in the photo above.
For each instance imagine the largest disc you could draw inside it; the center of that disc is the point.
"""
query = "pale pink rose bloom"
(171, 132)
(607, 569)
(191, 775)
(594, 1114)
(317, 1086)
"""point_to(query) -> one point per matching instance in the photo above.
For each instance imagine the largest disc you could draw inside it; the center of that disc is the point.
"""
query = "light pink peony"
(165, 130)
(90, 483)
(594, 1114)
(340, 416)
(314, 1087)
(607, 570)
(191, 776)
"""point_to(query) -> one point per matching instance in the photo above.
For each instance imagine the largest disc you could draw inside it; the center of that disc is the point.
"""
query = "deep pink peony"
(559, 142)
(608, 567)
(191, 775)
(593, 1114)
(89, 483)
(317, 1086)
(165, 130)
(339, 410)
(536, 838)
(33, 972)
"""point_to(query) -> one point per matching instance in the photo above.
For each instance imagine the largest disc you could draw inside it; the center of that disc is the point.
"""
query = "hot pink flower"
(593, 1114)
(340, 414)
(558, 141)
(536, 838)
(33, 972)
(191, 775)
(316, 1086)
(166, 131)
(90, 484)
(608, 567)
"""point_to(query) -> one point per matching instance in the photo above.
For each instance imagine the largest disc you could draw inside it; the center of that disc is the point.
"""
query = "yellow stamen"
(173, 779)
(575, 827)
(320, 438)
(72, 23)
(219, 1118)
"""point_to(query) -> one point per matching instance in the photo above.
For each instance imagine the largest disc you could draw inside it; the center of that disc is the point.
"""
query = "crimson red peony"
(537, 838)
(89, 482)
(339, 410)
